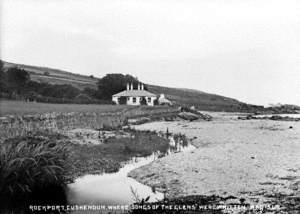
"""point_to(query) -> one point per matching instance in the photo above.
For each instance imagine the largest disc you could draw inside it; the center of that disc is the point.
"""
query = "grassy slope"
(202, 100)
(56, 76)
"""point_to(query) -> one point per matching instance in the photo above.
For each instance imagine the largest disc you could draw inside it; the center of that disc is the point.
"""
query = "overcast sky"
(244, 49)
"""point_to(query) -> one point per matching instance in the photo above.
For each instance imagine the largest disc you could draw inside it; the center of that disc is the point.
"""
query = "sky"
(244, 49)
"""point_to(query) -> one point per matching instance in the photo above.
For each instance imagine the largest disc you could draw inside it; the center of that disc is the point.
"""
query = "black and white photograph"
(149, 106)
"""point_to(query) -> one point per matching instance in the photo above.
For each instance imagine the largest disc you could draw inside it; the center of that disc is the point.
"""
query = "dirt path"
(257, 160)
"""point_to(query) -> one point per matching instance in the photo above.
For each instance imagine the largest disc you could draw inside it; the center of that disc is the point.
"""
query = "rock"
(275, 117)
(138, 121)
(206, 117)
(188, 116)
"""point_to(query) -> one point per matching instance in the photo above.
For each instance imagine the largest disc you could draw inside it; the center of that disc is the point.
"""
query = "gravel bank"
(255, 160)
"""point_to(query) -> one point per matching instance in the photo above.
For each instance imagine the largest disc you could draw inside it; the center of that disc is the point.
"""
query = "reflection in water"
(112, 188)
(116, 188)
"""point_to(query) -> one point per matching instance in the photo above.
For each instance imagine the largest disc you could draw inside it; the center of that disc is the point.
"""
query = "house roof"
(134, 93)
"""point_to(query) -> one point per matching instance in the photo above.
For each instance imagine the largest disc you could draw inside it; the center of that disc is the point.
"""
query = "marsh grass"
(181, 138)
(19, 119)
(29, 165)
(59, 122)
(109, 156)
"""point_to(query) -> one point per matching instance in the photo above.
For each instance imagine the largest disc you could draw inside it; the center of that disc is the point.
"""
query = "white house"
(134, 96)
(162, 100)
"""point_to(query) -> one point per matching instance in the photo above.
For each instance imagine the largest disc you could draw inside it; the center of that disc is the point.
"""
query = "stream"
(117, 188)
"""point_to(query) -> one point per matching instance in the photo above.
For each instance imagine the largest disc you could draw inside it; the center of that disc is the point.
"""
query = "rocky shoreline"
(252, 162)
(269, 117)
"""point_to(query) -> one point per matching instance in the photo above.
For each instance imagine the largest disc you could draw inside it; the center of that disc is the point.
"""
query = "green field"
(11, 107)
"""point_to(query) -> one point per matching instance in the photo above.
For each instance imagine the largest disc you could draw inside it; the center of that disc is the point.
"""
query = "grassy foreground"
(43, 163)
(29, 165)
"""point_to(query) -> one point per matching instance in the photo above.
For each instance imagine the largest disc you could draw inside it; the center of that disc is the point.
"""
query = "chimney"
(142, 86)
(131, 86)
(127, 86)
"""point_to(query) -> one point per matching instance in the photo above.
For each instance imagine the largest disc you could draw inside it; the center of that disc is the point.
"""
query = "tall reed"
(28, 164)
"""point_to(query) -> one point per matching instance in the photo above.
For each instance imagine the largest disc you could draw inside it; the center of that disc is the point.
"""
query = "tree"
(56, 91)
(17, 79)
(62, 91)
(83, 98)
(90, 91)
(114, 83)
(3, 85)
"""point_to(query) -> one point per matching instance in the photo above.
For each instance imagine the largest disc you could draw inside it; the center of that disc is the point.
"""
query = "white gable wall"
(115, 99)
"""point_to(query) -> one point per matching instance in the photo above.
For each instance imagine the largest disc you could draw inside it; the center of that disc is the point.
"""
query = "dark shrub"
(46, 73)
(17, 79)
(143, 101)
(83, 98)
(89, 91)
(122, 100)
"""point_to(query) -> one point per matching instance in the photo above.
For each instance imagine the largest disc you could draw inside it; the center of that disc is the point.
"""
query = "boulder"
(188, 116)
(206, 117)
(138, 121)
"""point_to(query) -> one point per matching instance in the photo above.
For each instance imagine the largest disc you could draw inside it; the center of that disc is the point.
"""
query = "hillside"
(55, 76)
(201, 100)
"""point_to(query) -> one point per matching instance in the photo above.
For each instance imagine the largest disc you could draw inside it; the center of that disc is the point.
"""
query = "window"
(133, 99)
(149, 99)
